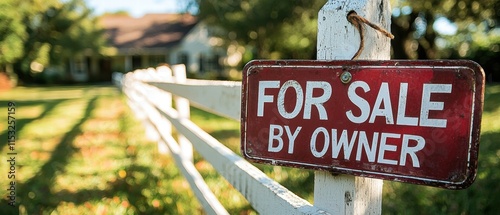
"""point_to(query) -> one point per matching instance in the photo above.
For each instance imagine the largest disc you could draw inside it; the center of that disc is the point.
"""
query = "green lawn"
(81, 151)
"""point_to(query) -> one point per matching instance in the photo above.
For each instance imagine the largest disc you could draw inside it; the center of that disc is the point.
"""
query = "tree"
(269, 29)
(47, 32)
(12, 32)
(476, 37)
(275, 29)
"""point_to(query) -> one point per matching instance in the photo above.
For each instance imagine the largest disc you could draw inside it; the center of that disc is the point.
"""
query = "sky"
(135, 8)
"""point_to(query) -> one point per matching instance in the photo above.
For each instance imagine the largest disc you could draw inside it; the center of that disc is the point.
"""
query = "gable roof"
(149, 31)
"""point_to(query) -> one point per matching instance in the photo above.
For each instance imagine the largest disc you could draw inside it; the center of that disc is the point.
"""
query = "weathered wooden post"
(338, 39)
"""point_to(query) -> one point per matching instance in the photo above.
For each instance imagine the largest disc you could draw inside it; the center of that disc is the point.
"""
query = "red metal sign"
(410, 121)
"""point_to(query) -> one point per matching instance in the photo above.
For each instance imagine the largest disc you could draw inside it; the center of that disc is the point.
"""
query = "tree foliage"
(270, 29)
(47, 32)
(476, 36)
(287, 29)
(11, 31)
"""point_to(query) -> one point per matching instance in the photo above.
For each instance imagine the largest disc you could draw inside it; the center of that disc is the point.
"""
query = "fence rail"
(150, 93)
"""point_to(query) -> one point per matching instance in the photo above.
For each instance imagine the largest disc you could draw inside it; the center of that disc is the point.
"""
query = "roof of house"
(149, 31)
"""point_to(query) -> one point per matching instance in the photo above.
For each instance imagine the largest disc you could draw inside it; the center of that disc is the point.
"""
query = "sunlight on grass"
(54, 93)
(45, 134)
(101, 126)
(56, 121)
(83, 153)
(30, 112)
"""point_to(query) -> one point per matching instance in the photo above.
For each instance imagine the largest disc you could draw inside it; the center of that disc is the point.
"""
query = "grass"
(81, 151)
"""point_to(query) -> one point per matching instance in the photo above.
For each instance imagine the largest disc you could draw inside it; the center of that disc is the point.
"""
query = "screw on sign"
(410, 121)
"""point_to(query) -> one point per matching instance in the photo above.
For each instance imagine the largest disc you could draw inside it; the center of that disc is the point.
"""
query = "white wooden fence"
(149, 95)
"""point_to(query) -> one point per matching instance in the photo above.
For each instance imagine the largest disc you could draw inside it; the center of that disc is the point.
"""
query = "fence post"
(164, 73)
(182, 106)
(340, 40)
(139, 76)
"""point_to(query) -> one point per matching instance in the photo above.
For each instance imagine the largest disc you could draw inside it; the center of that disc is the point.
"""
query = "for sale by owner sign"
(410, 121)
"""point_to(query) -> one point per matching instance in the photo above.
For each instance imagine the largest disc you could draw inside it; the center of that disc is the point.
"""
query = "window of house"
(136, 62)
(212, 64)
(201, 63)
(156, 60)
(79, 66)
(216, 63)
(183, 58)
(88, 64)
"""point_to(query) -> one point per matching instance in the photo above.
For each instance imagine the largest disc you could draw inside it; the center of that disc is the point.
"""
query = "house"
(149, 41)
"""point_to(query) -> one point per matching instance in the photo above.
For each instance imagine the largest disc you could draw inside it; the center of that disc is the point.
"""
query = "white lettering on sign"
(342, 142)
(298, 103)
(344, 145)
(317, 101)
(384, 148)
(362, 104)
(273, 136)
(383, 105)
(370, 151)
(313, 143)
(401, 118)
(263, 98)
(412, 151)
(306, 102)
(428, 105)
(383, 98)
